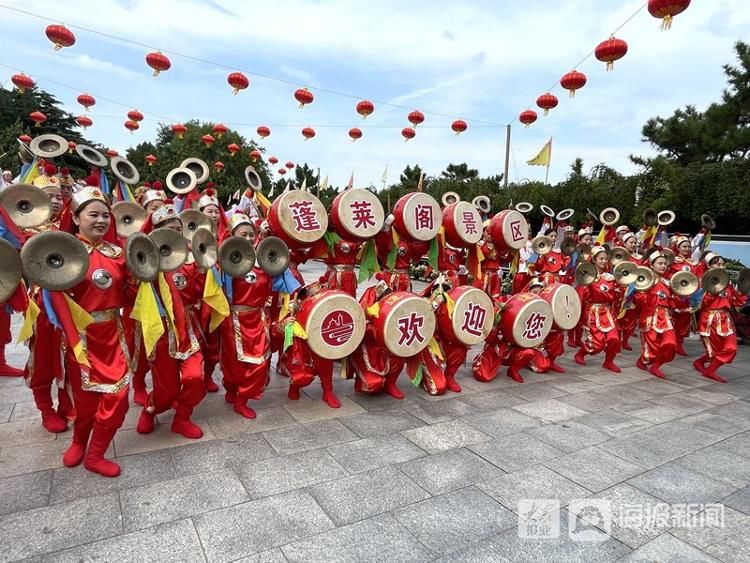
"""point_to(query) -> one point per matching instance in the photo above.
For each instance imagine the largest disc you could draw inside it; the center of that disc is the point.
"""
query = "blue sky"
(478, 60)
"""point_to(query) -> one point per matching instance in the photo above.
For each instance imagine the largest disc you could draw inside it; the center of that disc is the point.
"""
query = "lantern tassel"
(57, 47)
(156, 73)
(666, 22)
(572, 94)
(234, 91)
(301, 105)
(610, 65)
(546, 111)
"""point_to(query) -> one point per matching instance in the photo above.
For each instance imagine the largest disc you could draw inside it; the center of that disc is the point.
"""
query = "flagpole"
(318, 190)
(549, 161)
(507, 156)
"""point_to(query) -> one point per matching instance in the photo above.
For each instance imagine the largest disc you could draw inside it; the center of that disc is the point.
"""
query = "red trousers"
(373, 364)
(177, 383)
(554, 344)
(495, 354)
(682, 322)
(104, 410)
(44, 365)
(5, 336)
(433, 371)
(455, 356)
(658, 347)
(721, 348)
(596, 341)
(628, 322)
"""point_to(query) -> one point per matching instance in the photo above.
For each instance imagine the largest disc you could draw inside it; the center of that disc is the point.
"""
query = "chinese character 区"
(304, 216)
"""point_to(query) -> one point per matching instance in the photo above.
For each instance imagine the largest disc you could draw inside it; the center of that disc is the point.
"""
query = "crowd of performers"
(208, 319)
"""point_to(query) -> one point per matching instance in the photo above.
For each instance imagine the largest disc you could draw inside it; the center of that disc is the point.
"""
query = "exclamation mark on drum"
(567, 306)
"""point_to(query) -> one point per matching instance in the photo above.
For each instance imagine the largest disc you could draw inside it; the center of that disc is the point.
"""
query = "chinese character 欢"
(304, 216)
(474, 317)
(362, 214)
(423, 217)
(409, 329)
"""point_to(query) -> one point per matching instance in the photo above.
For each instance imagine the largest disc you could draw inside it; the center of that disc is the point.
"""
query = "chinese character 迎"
(474, 317)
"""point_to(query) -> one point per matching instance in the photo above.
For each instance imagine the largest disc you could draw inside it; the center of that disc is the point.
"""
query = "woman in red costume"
(601, 301)
(629, 314)
(552, 347)
(245, 337)
(375, 368)
(44, 369)
(683, 312)
(100, 389)
(403, 252)
(658, 340)
(718, 333)
(584, 237)
(340, 257)
(492, 275)
(176, 360)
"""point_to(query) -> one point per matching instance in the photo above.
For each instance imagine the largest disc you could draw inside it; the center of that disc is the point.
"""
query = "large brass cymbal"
(715, 280)
(273, 255)
(181, 180)
(568, 246)
(54, 260)
(743, 281)
(645, 278)
(27, 205)
(585, 274)
(625, 273)
(198, 167)
(236, 256)
(685, 284)
(205, 250)
(125, 170)
(619, 254)
(11, 271)
(173, 248)
(142, 257)
(192, 220)
(48, 146)
(91, 155)
(542, 245)
(129, 217)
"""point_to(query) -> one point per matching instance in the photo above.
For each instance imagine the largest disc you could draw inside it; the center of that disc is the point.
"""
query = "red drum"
(463, 224)
(334, 322)
(509, 230)
(526, 320)
(471, 320)
(357, 214)
(404, 324)
(298, 218)
(417, 217)
(565, 303)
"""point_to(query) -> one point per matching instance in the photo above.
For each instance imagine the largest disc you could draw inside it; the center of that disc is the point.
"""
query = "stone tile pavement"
(423, 479)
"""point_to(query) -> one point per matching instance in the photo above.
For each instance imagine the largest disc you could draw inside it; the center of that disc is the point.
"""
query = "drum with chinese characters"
(417, 217)
(468, 319)
(509, 230)
(463, 224)
(526, 320)
(334, 322)
(357, 214)
(565, 303)
(404, 323)
(298, 218)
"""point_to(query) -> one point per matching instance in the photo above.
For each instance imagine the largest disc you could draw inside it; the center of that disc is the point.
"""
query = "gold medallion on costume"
(102, 278)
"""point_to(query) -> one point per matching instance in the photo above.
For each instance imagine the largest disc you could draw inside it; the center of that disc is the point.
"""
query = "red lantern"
(263, 131)
(416, 117)
(135, 115)
(22, 82)
(37, 117)
(219, 166)
(527, 117)
(131, 125)
(407, 133)
(150, 159)
(355, 133)
(71, 147)
(289, 164)
(282, 171)
(611, 50)
(237, 81)
(207, 140)
(25, 139)
(273, 160)
(86, 100)
(111, 153)
(84, 121)
(365, 108)
(158, 62)
(233, 148)
(547, 102)
(179, 129)
(459, 126)
(573, 81)
(219, 130)
(308, 133)
(303, 96)
(666, 10)
(60, 35)
(255, 154)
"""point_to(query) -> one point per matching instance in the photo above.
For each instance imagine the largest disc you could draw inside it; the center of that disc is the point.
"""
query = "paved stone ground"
(423, 479)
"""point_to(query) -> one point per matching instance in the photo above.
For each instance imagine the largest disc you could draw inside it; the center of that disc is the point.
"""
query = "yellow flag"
(166, 299)
(544, 156)
(29, 321)
(214, 297)
(374, 310)
(146, 311)
(80, 316)
(420, 185)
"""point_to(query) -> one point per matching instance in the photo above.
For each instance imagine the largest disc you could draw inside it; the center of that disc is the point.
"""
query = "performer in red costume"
(245, 336)
(375, 368)
(100, 390)
(550, 266)
(491, 280)
(298, 362)
(715, 326)
(658, 340)
(44, 367)
(403, 252)
(176, 360)
(552, 347)
(682, 315)
(340, 257)
(629, 314)
(599, 299)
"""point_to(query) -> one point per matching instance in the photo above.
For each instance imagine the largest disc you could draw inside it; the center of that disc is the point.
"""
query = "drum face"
(526, 320)
(417, 217)
(298, 218)
(463, 224)
(405, 324)
(471, 319)
(509, 230)
(357, 214)
(334, 323)
(565, 303)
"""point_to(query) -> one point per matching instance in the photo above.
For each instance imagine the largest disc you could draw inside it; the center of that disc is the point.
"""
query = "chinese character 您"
(534, 326)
